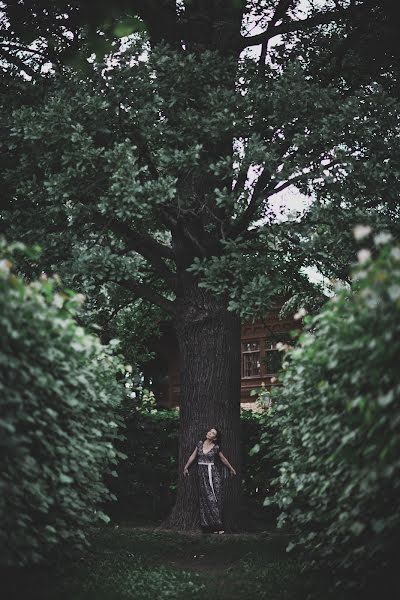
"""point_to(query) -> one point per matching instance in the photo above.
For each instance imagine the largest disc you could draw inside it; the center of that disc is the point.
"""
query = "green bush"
(59, 396)
(146, 482)
(257, 470)
(336, 426)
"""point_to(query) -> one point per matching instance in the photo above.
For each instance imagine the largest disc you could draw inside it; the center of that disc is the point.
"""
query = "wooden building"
(260, 360)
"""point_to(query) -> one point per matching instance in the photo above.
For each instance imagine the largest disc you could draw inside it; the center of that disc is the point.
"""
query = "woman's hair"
(218, 438)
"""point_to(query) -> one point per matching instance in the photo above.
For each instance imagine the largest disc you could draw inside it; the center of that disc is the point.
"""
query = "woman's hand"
(185, 471)
(233, 472)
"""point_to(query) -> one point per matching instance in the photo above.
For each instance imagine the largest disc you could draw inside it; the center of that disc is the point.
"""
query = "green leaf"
(103, 516)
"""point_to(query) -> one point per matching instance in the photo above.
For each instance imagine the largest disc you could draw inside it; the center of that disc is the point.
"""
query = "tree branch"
(241, 180)
(14, 46)
(290, 27)
(142, 243)
(17, 62)
(20, 48)
(245, 218)
(280, 12)
(285, 184)
(133, 238)
(241, 224)
(147, 293)
(114, 312)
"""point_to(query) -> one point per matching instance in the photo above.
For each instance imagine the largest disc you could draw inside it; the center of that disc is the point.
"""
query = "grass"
(146, 563)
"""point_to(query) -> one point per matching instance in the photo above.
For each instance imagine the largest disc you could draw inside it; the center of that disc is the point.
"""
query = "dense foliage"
(338, 418)
(146, 482)
(59, 395)
(154, 174)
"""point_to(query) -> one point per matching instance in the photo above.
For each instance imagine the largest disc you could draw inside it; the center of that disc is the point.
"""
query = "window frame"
(274, 338)
(255, 351)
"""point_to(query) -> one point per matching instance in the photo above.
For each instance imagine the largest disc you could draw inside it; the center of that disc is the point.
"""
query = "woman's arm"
(227, 463)
(189, 462)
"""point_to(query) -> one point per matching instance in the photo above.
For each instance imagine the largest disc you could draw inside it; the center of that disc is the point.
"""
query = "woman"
(210, 484)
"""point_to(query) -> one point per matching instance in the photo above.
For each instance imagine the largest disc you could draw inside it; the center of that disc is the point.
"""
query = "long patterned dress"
(210, 488)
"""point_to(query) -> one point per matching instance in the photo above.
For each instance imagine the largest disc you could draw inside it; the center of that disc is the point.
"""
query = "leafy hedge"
(336, 425)
(146, 482)
(59, 396)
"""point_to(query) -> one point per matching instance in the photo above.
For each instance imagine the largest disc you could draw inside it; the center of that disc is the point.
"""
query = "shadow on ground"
(148, 563)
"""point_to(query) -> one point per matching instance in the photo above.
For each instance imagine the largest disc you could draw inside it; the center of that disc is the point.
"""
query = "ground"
(148, 563)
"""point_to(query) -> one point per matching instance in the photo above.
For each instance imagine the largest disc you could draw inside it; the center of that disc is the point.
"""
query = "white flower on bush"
(360, 275)
(339, 285)
(5, 266)
(58, 300)
(79, 299)
(361, 231)
(394, 292)
(395, 253)
(382, 238)
(300, 313)
(363, 255)
(282, 347)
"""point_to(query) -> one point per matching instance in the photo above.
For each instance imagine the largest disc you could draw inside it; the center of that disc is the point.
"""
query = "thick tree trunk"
(209, 344)
(208, 334)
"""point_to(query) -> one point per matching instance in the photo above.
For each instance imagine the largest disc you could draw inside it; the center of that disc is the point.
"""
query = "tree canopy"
(165, 136)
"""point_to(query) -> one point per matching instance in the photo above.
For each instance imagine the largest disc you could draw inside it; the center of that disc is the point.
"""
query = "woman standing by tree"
(210, 481)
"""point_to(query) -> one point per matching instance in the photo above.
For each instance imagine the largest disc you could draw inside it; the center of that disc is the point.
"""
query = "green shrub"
(257, 470)
(59, 396)
(336, 426)
(146, 482)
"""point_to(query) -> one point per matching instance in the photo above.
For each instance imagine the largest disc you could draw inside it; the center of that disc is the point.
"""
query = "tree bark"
(208, 334)
(209, 343)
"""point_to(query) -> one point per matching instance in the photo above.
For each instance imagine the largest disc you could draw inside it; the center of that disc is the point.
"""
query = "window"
(273, 357)
(251, 363)
(273, 361)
